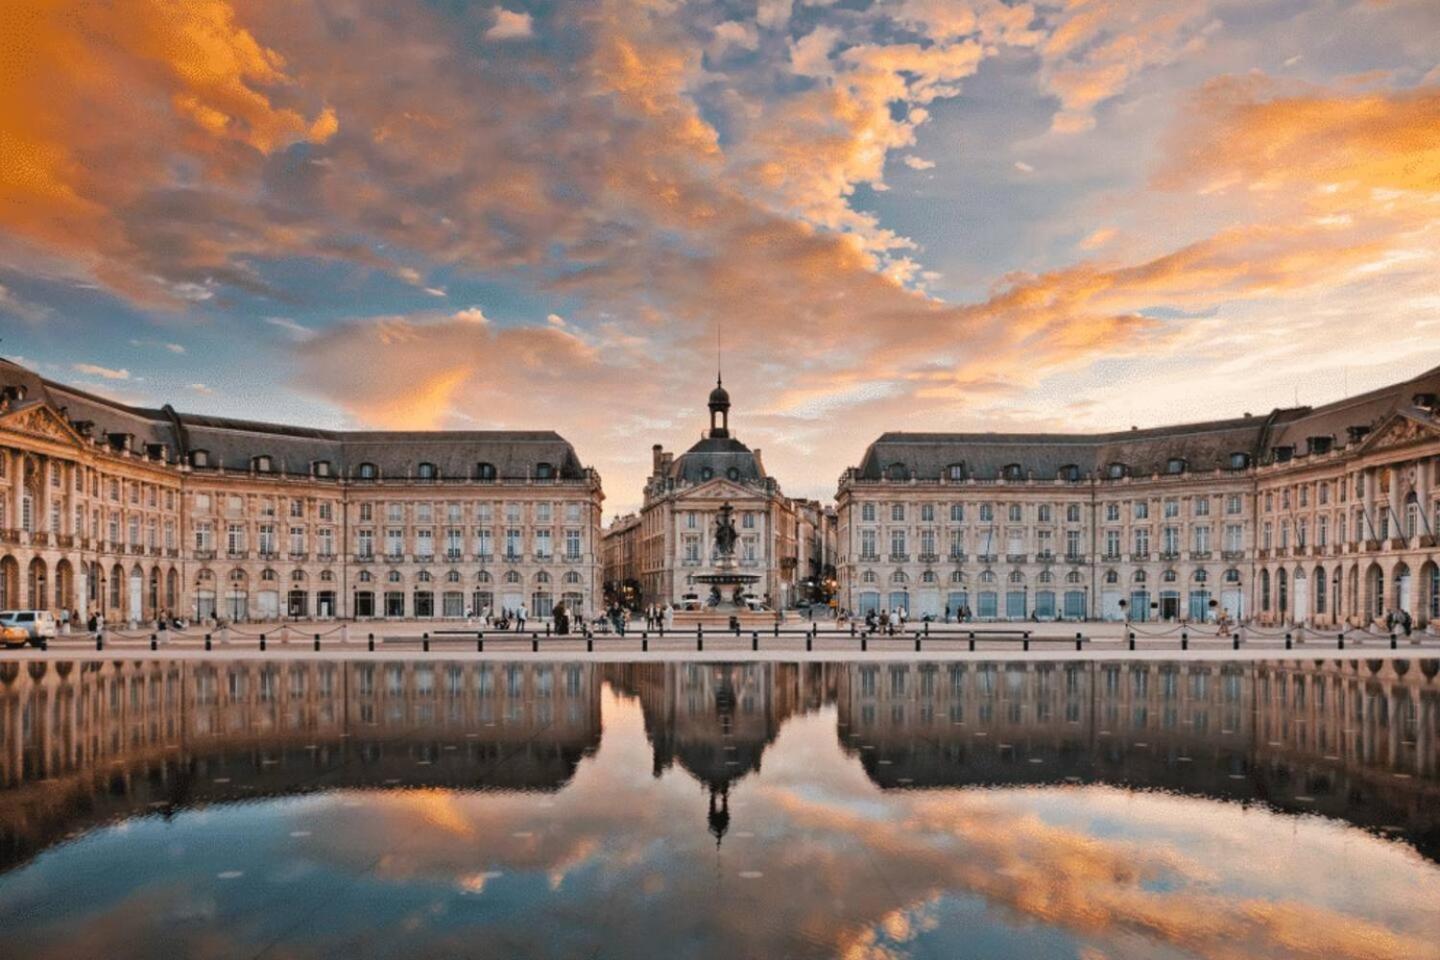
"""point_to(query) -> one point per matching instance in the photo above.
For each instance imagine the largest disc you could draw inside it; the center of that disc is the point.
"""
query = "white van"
(40, 624)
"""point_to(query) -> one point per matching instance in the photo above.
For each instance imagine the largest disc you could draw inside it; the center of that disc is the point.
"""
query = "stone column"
(17, 488)
(1397, 526)
(42, 522)
(1367, 480)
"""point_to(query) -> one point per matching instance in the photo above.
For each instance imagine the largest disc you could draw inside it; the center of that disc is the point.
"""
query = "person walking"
(520, 615)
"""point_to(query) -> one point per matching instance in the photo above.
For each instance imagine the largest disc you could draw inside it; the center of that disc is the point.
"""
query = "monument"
(726, 573)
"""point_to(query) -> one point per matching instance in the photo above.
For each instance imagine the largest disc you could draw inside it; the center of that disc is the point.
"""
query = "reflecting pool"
(314, 809)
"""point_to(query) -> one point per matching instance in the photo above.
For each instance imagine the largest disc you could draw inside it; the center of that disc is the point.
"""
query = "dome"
(719, 396)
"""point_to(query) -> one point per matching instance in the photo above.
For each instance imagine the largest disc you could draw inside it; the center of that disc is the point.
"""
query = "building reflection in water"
(762, 809)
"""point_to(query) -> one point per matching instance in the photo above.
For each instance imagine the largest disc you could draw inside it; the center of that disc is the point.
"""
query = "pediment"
(37, 419)
(1399, 431)
(721, 489)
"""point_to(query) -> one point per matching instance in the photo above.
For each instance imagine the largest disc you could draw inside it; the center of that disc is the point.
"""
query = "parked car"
(39, 625)
(14, 636)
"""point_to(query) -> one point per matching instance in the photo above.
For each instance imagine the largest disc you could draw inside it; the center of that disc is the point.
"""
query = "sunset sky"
(916, 214)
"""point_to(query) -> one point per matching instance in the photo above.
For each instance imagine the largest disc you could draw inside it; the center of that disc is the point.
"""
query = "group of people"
(885, 621)
(1400, 619)
(657, 616)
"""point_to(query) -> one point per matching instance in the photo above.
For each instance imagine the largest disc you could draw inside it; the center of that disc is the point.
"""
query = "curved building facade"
(129, 512)
(1319, 516)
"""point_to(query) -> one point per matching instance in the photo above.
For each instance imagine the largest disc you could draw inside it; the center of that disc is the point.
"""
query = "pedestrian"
(520, 619)
(669, 615)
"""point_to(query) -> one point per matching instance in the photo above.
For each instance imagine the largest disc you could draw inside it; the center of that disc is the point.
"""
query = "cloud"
(471, 315)
(1098, 238)
(1024, 167)
(17, 306)
(733, 33)
(201, 389)
(95, 370)
(170, 347)
(296, 331)
(510, 25)
(773, 14)
(918, 163)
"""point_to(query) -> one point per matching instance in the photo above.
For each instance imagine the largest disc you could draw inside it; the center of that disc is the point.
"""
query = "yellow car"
(14, 636)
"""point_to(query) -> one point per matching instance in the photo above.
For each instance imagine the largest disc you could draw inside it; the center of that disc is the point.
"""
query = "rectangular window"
(957, 513)
(297, 508)
(235, 537)
(297, 539)
(394, 541)
(1072, 513)
(327, 541)
(454, 543)
(424, 513)
(1172, 508)
(1232, 505)
(868, 550)
(987, 512)
(897, 512)
(1234, 538)
(1142, 541)
(1044, 513)
(1202, 539)
(1142, 509)
(927, 513)
(365, 544)
(542, 512)
(897, 543)
(1170, 538)
(514, 544)
(326, 511)
(1072, 544)
(395, 513)
(425, 544)
(1112, 513)
(1202, 506)
(572, 544)
(484, 548)
(267, 539)
(867, 512)
(542, 544)
(204, 537)
(367, 512)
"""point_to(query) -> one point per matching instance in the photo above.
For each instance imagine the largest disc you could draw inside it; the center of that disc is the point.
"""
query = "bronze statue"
(725, 535)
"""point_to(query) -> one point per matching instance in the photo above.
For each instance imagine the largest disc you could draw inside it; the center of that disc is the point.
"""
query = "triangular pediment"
(1401, 429)
(38, 419)
(721, 489)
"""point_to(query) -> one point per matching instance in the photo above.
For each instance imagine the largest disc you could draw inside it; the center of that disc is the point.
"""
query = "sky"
(888, 215)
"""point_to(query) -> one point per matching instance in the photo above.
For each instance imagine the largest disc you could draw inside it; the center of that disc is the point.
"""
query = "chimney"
(657, 457)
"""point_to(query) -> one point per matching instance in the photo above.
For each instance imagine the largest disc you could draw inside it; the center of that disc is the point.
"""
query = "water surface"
(433, 809)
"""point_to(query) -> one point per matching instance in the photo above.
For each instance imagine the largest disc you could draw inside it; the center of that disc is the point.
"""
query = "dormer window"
(1357, 434)
(1070, 473)
(1319, 445)
(956, 471)
(1116, 471)
(1175, 466)
(261, 464)
(544, 471)
(1239, 461)
(1282, 454)
(322, 468)
(897, 471)
(1013, 471)
(484, 471)
(199, 458)
(427, 471)
(367, 471)
(706, 473)
(733, 473)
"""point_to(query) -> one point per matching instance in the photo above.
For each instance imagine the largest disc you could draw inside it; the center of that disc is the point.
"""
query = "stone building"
(128, 512)
(672, 539)
(1320, 516)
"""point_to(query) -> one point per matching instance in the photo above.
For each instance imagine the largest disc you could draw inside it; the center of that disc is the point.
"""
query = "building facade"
(672, 538)
(128, 512)
(1319, 516)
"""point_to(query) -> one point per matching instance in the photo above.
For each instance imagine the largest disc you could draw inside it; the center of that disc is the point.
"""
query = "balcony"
(326, 557)
(987, 557)
(237, 554)
(394, 558)
(929, 557)
(1200, 555)
(1074, 558)
(1232, 554)
(204, 554)
(869, 558)
(1111, 557)
(365, 557)
(1045, 556)
(264, 554)
(513, 558)
(298, 556)
(1170, 555)
(1015, 558)
(957, 556)
(64, 540)
(1139, 557)
(899, 558)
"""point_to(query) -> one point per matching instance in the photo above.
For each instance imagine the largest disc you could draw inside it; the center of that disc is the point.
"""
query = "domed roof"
(717, 457)
(719, 396)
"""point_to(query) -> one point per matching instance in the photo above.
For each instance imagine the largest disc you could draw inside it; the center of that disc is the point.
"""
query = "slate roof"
(719, 455)
(232, 443)
(1203, 446)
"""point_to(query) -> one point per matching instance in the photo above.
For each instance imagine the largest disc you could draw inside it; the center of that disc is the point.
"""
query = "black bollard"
(547, 629)
(1184, 640)
(1132, 641)
(589, 643)
(534, 644)
(644, 643)
(425, 642)
(852, 628)
(864, 643)
(972, 643)
(809, 638)
(207, 641)
(699, 644)
(99, 641)
(1287, 641)
(1025, 642)
(262, 643)
(917, 643)
(1341, 639)
(1392, 641)
(372, 643)
(317, 643)
(1235, 644)
(154, 642)
(1078, 642)
(755, 642)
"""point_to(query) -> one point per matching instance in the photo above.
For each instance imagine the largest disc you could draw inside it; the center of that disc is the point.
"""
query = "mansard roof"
(1199, 446)
(234, 443)
(718, 456)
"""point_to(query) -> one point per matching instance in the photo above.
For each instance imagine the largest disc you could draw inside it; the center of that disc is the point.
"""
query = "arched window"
(733, 473)
(1139, 576)
(394, 576)
(1016, 576)
(512, 576)
(453, 576)
(957, 576)
(1232, 575)
(367, 471)
(1112, 576)
(1265, 590)
(706, 473)
(869, 576)
(1170, 576)
(544, 471)
(542, 577)
(1046, 576)
(423, 576)
(898, 577)
(365, 576)
(928, 576)
(321, 468)
(268, 575)
(987, 576)
(1074, 577)
(483, 577)
(297, 576)
(327, 576)
(427, 471)
(484, 471)
(1200, 576)
(572, 577)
